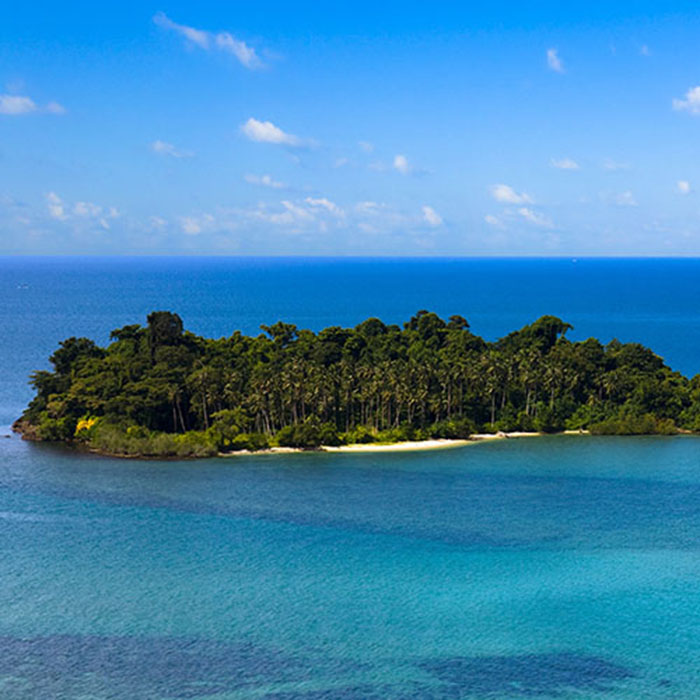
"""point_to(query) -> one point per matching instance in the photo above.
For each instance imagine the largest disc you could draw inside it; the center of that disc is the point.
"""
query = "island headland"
(160, 391)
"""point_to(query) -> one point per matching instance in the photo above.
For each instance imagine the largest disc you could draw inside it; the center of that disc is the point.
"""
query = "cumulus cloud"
(163, 148)
(221, 41)
(16, 105)
(87, 212)
(683, 186)
(507, 195)
(87, 209)
(494, 221)
(402, 165)
(267, 132)
(565, 164)
(326, 204)
(554, 62)
(431, 217)
(309, 219)
(194, 225)
(55, 205)
(535, 218)
(264, 181)
(691, 103)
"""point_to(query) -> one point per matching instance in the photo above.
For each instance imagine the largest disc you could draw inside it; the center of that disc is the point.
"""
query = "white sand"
(400, 446)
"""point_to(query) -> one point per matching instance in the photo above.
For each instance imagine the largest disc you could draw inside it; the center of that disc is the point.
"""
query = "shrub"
(627, 424)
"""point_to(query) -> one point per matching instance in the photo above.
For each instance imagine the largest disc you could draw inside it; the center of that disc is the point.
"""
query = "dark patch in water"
(528, 675)
(359, 692)
(130, 668)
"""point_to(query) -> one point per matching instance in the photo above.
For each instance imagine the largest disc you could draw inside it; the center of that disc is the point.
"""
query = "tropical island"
(160, 391)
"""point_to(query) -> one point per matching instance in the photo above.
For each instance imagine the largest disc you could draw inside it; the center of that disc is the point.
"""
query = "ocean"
(554, 567)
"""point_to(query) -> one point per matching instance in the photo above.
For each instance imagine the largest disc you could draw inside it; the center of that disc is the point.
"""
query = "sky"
(350, 128)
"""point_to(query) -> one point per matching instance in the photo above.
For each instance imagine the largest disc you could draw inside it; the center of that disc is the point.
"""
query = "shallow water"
(547, 567)
(560, 567)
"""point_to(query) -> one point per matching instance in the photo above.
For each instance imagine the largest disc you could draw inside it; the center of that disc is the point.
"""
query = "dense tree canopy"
(162, 390)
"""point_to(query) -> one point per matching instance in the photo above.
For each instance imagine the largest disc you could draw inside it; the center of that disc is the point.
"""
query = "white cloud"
(492, 220)
(222, 41)
(190, 225)
(267, 132)
(366, 146)
(88, 213)
(196, 36)
(163, 148)
(691, 103)
(194, 225)
(554, 62)
(157, 223)
(15, 104)
(244, 53)
(565, 164)
(264, 181)
(86, 209)
(55, 204)
(55, 108)
(611, 165)
(325, 204)
(402, 165)
(534, 218)
(292, 214)
(625, 199)
(683, 186)
(309, 218)
(431, 217)
(367, 207)
(506, 194)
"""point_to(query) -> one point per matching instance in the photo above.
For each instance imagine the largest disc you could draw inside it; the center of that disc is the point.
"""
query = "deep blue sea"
(561, 567)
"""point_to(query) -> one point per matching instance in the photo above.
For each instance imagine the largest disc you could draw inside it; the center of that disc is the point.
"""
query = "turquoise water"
(558, 567)
(549, 567)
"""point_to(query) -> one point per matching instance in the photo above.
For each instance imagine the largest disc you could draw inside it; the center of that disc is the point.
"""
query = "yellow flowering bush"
(85, 424)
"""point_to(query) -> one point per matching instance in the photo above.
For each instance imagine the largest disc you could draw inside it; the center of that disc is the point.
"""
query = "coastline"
(412, 446)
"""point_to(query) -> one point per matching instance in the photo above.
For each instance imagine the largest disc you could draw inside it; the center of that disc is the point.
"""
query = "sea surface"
(560, 567)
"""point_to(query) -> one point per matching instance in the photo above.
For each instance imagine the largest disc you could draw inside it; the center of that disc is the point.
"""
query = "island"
(160, 391)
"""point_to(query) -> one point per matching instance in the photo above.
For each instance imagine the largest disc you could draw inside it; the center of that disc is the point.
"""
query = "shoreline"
(407, 446)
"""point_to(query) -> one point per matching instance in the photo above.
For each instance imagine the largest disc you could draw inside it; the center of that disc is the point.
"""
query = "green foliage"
(645, 424)
(249, 441)
(55, 429)
(159, 390)
(137, 441)
(308, 435)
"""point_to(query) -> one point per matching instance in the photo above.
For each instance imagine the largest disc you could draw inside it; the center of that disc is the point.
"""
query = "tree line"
(161, 390)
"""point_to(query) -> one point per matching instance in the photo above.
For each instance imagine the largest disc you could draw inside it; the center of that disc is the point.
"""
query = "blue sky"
(359, 128)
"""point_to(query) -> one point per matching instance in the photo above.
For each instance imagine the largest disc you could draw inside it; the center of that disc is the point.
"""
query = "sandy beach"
(407, 446)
